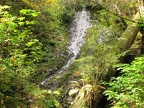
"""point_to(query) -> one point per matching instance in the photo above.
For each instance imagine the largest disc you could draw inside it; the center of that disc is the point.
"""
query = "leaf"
(35, 14)
(21, 23)
(24, 11)
(21, 18)
(29, 44)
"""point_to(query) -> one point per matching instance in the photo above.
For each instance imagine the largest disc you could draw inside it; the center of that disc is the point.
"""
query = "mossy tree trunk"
(128, 36)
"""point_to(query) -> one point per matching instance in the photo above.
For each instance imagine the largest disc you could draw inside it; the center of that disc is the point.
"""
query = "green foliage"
(76, 4)
(115, 24)
(19, 52)
(29, 12)
(35, 49)
(124, 8)
(51, 30)
(126, 91)
(69, 11)
(96, 59)
(96, 56)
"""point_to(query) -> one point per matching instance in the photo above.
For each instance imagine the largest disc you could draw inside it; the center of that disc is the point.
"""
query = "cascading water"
(77, 33)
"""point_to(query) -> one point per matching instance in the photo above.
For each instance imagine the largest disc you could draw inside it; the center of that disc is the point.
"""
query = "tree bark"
(129, 35)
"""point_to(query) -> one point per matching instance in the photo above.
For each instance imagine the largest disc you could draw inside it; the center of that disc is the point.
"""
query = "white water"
(77, 34)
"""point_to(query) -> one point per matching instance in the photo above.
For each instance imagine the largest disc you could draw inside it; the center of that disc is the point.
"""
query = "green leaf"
(21, 18)
(29, 44)
(35, 14)
(21, 23)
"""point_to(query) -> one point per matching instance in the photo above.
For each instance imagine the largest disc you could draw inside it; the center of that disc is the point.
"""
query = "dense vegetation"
(33, 39)
(26, 43)
(127, 89)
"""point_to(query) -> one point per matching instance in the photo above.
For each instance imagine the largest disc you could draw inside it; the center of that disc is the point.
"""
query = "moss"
(11, 102)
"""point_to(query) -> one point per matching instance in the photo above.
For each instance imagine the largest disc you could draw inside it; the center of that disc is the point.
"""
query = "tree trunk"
(129, 35)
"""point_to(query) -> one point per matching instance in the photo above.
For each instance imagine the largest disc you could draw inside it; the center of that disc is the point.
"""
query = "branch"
(115, 14)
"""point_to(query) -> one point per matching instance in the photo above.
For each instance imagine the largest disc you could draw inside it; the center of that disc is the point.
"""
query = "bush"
(126, 91)
(19, 53)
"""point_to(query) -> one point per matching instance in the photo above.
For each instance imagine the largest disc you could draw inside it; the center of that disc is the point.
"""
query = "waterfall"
(77, 33)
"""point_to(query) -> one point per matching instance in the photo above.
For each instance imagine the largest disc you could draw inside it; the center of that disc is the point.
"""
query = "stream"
(77, 38)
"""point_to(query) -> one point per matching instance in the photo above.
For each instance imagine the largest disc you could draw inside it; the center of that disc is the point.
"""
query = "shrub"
(126, 91)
